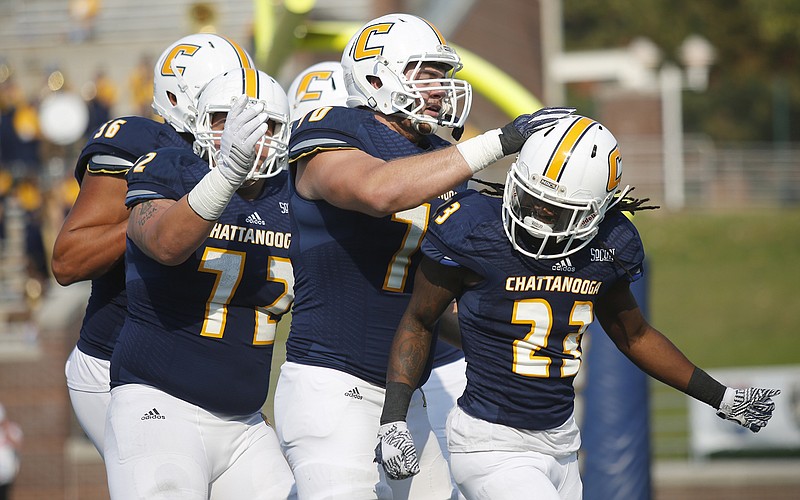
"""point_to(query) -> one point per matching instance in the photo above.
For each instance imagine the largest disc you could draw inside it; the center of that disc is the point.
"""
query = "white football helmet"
(559, 188)
(218, 96)
(317, 86)
(383, 50)
(185, 67)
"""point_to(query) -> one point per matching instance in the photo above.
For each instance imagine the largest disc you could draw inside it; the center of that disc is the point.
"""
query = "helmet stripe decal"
(436, 30)
(250, 83)
(240, 52)
(562, 153)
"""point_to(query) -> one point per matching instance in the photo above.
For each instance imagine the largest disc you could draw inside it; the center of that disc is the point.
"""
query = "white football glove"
(244, 127)
(751, 407)
(396, 451)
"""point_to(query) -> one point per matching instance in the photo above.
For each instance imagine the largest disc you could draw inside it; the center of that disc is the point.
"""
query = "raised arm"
(354, 180)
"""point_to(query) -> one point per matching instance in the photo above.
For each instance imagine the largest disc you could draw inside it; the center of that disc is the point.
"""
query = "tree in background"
(754, 86)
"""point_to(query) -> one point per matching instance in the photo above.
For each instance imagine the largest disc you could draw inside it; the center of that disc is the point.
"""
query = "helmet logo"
(614, 169)
(303, 92)
(360, 50)
(178, 50)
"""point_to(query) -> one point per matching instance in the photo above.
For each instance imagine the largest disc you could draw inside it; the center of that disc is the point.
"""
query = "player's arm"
(435, 287)
(449, 329)
(355, 180)
(92, 239)
(623, 321)
(168, 231)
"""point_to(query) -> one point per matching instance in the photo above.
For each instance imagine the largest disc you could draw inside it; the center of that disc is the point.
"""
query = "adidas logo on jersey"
(153, 415)
(353, 393)
(564, 265)
(254, 218)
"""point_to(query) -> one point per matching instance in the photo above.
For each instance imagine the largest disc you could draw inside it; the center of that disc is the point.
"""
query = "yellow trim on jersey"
(320, 150)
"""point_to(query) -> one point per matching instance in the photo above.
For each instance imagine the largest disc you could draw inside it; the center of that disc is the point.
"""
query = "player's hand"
(396, 451)
(751, 407)
(244, 126)
(513, 135)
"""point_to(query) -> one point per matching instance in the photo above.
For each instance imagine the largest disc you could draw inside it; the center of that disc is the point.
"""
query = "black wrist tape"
(395, 404)
(703, 387)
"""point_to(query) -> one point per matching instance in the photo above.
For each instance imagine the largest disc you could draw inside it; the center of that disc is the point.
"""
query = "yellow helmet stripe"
(565, 147)
(240, 52)
(250, 83)
(436, 30)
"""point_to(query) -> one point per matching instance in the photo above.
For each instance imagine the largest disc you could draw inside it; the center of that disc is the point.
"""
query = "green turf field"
(723, 287)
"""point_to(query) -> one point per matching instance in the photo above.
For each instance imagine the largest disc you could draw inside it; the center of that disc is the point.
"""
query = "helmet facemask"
(408, 97)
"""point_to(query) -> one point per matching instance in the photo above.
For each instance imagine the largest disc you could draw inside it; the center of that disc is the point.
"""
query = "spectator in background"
(10, 446)
(140, 83)
(19, 131)
(83, 14)
(100, 96)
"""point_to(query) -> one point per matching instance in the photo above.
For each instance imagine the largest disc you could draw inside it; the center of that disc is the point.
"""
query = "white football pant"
(327, 423)
(495, 462)
(161, 447)
(88, 381)
(445, 385)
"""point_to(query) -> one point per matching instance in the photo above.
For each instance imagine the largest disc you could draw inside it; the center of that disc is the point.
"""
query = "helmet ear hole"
(172, 98)
(375, 81)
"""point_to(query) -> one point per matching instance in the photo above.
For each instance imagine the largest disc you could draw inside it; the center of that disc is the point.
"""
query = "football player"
(531, 271)
(365, 180)
(91, 242)
(208, 278)
(320, 85)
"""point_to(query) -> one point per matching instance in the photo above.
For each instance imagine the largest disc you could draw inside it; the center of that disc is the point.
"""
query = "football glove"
(244, 127)
(513, 135)
(751, 407)
(396, 452)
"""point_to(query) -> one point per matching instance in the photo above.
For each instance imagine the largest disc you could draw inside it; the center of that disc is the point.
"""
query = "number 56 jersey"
(203, 330)
(521, 326)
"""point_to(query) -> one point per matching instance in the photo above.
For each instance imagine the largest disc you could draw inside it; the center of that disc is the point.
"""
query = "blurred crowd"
(42, 131)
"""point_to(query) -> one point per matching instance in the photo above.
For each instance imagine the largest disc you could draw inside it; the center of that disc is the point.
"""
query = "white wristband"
(481, 151)
(211, 195)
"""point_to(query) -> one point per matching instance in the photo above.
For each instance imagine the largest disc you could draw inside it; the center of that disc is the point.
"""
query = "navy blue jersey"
(128, 138)
(521, 325)
(354, 272)
(203, 331)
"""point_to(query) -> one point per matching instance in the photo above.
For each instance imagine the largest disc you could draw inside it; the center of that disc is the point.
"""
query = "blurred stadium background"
(703, 107)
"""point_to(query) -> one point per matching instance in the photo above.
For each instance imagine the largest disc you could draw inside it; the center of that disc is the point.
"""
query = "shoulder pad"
(159, 174)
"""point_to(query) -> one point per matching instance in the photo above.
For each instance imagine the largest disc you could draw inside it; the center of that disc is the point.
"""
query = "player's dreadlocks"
(626, 204)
